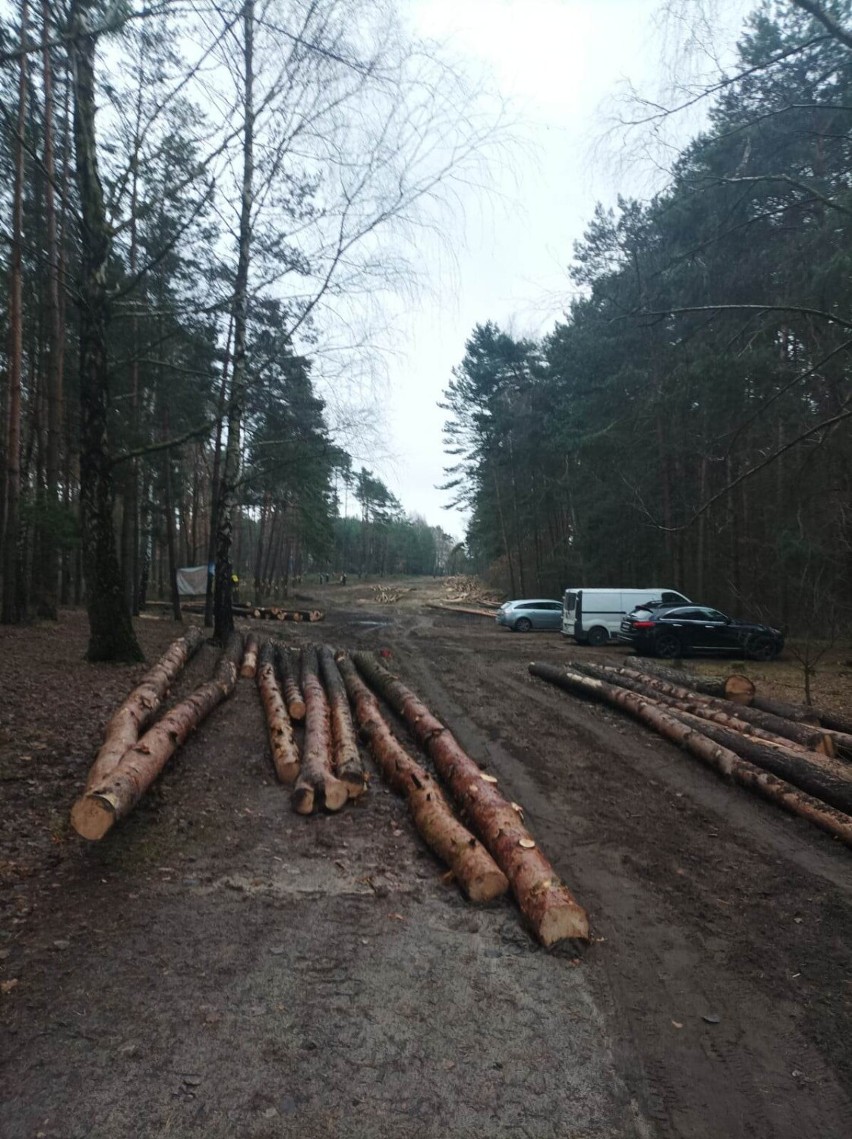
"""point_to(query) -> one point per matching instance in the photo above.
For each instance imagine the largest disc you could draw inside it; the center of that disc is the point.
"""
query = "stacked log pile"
(547, 904)
(266, 612)
(275, 613)
(501, 853)
(785, 759)
(473, 867)
(314, 748)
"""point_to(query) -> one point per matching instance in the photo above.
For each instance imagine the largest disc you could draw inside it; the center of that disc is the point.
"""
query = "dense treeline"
(185, 189)
(689, 422)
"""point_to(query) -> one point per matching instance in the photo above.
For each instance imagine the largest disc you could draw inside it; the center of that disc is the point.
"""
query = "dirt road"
(221, 967)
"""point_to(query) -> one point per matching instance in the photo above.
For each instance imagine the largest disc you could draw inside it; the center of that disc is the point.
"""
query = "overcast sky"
(560, 62)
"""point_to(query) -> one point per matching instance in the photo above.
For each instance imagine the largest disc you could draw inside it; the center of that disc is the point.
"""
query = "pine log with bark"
(738, 688)
(93, 815)
(347, 759)
(815, 739)
(836, 723)
(474, 869)
(317, 785)
(285, 753)
(549, 906)
(695, 706)
(820, 776)
(799, 712)
(724, 760)
(248, 669)
(289, 667)
(141, 706)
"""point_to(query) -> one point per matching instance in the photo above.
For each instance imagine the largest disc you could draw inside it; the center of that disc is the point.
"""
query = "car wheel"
(597, 637)
(667, 646)
(523, 625)
(762, 648)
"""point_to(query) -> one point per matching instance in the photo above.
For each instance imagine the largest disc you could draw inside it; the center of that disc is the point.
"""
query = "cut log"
(549, 906)
(798, 712)
(815, 739)
(474, 869)
(820, 776)
(289, 669)
(249, 665)
(142, 705)
(464, 610)
(695, 705)
(317, 785)
(285, 753)
(94, 814)
(347, 759)
(737, 688)
(836, 723)
(829, 819)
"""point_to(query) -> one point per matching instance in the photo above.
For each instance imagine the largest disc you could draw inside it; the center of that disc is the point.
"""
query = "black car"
(679, 631)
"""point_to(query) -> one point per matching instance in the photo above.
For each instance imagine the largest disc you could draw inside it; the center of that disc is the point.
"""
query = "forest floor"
(220, 967)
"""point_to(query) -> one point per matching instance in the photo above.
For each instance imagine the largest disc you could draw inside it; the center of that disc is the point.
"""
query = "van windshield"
(570, 601)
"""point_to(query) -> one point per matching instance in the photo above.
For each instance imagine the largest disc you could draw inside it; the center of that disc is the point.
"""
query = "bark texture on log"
(285, 753)
(724, 760)
(289, 669)
(142, 705)
(799, 712)
(813, 738)
(819, 776)
(475, 870)
(736, 687)
(250, 654)
(347, 758)
(100, 808)
(838, 726)
(548, 905)
(317, 785)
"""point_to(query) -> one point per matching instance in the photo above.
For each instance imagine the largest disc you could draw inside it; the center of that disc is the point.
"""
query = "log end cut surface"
(92, 816)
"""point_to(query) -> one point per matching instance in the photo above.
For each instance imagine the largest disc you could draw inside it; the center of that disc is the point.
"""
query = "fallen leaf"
(7, 986)
(676, 1024)
(711, 1017)
(395, 917)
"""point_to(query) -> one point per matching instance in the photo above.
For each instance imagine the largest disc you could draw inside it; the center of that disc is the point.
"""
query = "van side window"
(672, 598)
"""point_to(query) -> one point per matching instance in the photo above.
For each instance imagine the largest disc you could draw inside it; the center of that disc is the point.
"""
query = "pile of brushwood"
(462, 587)
(796, 756)
(313, 700)
(387, 594)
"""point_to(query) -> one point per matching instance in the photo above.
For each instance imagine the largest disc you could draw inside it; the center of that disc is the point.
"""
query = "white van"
(593, 616)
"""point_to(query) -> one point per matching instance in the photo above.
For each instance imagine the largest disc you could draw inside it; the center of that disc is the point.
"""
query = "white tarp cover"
(192, 581)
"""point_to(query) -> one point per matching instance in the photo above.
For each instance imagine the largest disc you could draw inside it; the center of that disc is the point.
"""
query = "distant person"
(343, 579)
(235, 589)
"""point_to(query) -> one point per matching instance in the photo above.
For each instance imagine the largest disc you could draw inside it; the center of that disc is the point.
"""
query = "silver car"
(538, 613)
